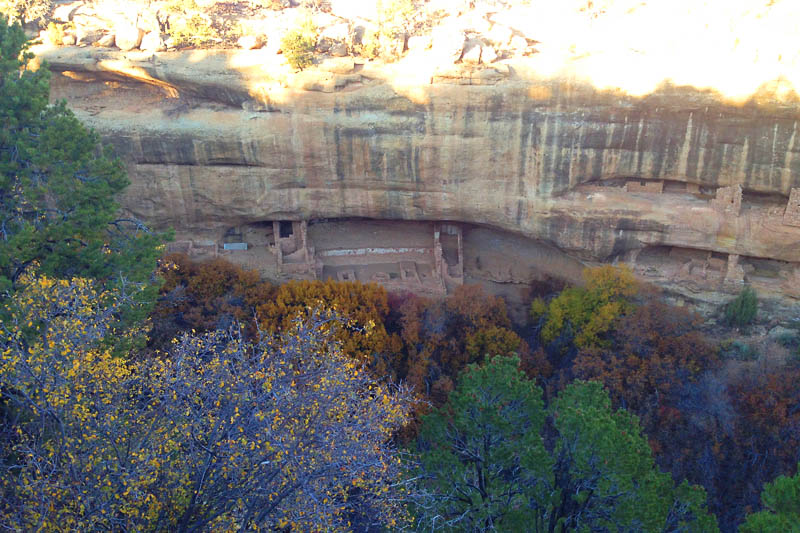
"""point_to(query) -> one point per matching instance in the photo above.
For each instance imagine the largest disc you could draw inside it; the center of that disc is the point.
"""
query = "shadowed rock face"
(211, 146)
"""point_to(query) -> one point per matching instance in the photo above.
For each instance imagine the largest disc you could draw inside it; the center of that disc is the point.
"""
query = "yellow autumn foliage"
(364, 304)
(221, 435)
(589, 311)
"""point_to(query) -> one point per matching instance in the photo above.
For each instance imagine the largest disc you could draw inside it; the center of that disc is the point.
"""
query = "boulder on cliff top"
(128, 37)
(148, 20)
(472, 51)
(249, 42)
(336, 32)
(338, 50)
(65, 12)
(85, 35)
(152, 42)
(447, 43)
(106, 41)
(499, 35)
(488, 54)
(323, 45)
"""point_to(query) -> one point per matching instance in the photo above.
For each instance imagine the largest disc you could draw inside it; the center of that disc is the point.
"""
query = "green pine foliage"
(742, 310)
(781, 502)
(494, 458)
(57, 188)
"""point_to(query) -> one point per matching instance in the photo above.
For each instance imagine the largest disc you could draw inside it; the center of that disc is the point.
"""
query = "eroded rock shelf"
(699, 195)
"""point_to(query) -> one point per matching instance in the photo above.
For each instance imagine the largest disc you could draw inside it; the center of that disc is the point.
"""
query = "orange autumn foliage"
(441, 338)
(768, 404)
(202, 296)
(654, 350)
(364, 305)
(420, 341)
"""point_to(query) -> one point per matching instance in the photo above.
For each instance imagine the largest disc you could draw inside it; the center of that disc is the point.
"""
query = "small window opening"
(286, 229)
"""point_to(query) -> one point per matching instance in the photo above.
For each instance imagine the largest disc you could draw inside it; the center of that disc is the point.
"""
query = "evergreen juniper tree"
(57, 186)
(781, 507)
(495, 459)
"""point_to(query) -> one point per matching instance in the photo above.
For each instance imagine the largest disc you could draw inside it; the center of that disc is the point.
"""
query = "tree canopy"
(494, 459)
(220, 435)
(587, 313)
(57, 185)
(781, 502)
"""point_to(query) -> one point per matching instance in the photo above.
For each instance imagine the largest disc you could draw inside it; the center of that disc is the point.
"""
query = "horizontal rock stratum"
(691, 188)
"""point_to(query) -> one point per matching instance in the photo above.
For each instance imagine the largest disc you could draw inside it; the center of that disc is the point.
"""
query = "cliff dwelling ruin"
(420, 257)
(339, 173)
(431, 258)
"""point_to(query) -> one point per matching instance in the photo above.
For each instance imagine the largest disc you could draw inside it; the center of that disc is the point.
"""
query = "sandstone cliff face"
(219, 140)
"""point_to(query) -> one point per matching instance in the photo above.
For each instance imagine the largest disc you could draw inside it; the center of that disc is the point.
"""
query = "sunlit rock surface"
(690, 188)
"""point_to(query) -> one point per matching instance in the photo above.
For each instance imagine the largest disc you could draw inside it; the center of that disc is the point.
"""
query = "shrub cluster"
(742, 310)
(26, 10)
(188, 24)
(298, 44)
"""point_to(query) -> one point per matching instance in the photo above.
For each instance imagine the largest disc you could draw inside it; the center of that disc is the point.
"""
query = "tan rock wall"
(212, 143)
